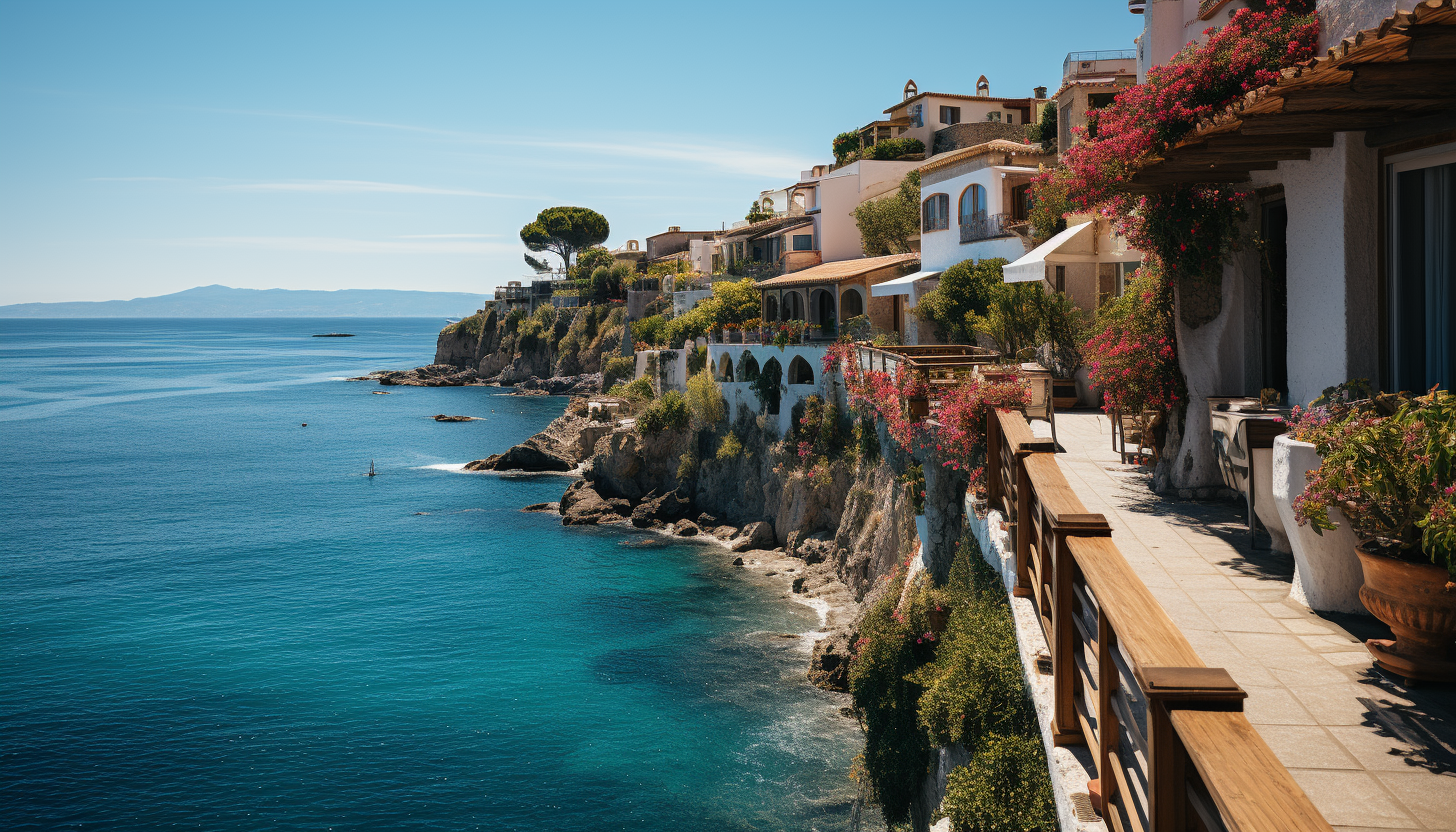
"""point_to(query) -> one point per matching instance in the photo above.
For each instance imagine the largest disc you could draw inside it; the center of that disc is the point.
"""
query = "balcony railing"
(1170, 746)
(985, 227)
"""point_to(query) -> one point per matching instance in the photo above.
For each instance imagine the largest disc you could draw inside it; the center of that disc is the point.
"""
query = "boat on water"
(371, 469)
(334, 335)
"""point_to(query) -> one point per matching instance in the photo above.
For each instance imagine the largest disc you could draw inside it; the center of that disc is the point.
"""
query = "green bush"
(1004, 788)
(845, 145)
(470, 326)
(975, 685)
(513, 321)
(667, 413)
(897, 752)
(890, 149)
(687, 466)
(729, 448)
(964, 291)
(705, 400)
(767, 386)
(618, 368)
(638, 391)
(648, 330)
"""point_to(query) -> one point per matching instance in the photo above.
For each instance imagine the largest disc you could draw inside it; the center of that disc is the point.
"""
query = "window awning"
(900, 285)
(1077, 244)
(1032, 266)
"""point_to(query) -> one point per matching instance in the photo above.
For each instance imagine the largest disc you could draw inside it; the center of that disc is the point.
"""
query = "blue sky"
(150, 147)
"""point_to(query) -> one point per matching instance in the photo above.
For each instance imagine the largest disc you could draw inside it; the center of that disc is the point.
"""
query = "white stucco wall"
(943, 249)
(840, 192)
(1333, 302)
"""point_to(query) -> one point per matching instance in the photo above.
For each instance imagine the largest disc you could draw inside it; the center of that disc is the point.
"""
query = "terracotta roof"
(993, 146)
(838, 271)
(1023, 101)
(1394, 79)
(766, 227)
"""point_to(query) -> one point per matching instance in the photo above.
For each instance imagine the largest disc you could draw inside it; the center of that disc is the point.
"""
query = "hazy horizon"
(154, 147)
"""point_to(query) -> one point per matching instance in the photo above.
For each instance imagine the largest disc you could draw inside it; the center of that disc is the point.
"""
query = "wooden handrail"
(1171, 747)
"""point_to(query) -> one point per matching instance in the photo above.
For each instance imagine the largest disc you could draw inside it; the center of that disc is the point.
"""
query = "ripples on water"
(210, 619)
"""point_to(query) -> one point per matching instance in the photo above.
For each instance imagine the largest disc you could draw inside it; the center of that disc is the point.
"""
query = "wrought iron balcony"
(985, 227)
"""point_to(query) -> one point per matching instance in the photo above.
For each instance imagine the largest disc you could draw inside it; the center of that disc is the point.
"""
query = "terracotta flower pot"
(1418, 601)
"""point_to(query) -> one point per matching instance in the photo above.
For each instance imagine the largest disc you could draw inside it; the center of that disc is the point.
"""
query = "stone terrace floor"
(1369, 751)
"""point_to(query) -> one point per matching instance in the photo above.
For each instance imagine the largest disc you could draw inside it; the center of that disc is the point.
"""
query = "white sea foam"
(444, 466)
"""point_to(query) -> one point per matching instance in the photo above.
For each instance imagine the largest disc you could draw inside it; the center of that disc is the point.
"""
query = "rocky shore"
(828, 541)
(447, 375)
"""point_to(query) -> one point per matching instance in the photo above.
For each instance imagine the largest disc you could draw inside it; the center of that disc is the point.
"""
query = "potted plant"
(1394, 477)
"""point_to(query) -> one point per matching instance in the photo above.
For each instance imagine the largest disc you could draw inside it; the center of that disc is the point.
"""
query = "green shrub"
(470, 326)
(638, 391)
(845, 145)
(897, 752)
(975, 685)
(767, 386)
(618, 368)
(964, 292)
(729, 448)
(513, 321)
(1004, 788)
(648, 330)
(687, 467)
(667, 413)
(890, 149)
(866, 439)
(705, 400)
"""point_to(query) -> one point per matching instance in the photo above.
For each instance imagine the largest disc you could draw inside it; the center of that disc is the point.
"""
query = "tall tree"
(565, 230)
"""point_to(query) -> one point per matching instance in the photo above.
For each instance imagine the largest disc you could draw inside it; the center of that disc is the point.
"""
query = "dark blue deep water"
(209, 619)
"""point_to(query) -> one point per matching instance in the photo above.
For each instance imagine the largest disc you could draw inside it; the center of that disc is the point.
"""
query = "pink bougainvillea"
(1187, 230)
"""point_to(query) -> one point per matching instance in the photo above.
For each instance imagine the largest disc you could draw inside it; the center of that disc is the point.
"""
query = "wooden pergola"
(1397, 81)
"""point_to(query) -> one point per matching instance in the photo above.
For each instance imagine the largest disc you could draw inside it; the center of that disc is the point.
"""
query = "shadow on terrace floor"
(1223, 520)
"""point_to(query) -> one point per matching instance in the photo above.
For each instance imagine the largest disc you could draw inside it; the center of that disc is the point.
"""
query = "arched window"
(770, 308)
(851, 304)
(766, 205)
(773, 376)
(747, 367)
(973, 205)
(793, 307)
(725, 368)
(935, 213)
(800, 372)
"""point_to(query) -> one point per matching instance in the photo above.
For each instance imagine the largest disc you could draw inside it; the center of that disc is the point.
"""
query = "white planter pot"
(1327, 575)
(1261, 471)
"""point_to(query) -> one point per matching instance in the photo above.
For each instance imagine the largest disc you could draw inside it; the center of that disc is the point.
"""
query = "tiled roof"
(838, 271)
(993, 146)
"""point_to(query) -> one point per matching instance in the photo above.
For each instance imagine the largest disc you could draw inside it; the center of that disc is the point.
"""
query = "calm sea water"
(210, 619)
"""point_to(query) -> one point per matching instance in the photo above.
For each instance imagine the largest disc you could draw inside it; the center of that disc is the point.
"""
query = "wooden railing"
(1170, 744)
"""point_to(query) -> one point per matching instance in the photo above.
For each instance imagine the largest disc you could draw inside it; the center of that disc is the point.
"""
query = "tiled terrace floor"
(1370, 752)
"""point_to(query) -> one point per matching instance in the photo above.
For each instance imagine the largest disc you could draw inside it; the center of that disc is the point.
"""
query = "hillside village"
(1143, 375)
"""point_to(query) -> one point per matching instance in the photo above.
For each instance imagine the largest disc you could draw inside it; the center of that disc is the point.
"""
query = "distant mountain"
(226, 302)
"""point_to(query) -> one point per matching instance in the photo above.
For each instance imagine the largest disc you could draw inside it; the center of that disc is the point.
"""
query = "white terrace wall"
(675, 375)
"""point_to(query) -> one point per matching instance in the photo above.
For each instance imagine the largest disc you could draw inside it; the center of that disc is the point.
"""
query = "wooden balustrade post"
(1168, 689)
(994, 487)
(1104, 788)
(1065, 728)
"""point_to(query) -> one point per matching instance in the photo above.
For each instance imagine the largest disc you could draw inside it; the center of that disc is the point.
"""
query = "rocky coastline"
(822, 543)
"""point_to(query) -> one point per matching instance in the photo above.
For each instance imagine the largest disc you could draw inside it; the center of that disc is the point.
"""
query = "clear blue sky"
(150, 147)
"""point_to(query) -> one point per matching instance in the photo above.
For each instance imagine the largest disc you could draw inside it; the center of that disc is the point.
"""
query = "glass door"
(1422, 256)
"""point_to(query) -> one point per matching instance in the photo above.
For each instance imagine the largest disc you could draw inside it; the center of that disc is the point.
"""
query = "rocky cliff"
(508, 349)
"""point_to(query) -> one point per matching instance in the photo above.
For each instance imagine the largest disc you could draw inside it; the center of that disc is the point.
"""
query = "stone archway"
(793, 307)
(800, 372)
(851, 303)
(725, 368)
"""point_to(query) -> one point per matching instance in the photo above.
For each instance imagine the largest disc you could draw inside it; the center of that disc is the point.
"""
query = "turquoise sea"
(210, 619)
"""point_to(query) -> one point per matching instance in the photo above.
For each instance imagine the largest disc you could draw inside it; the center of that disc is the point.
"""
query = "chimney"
(1039, 93)
(673, 229)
